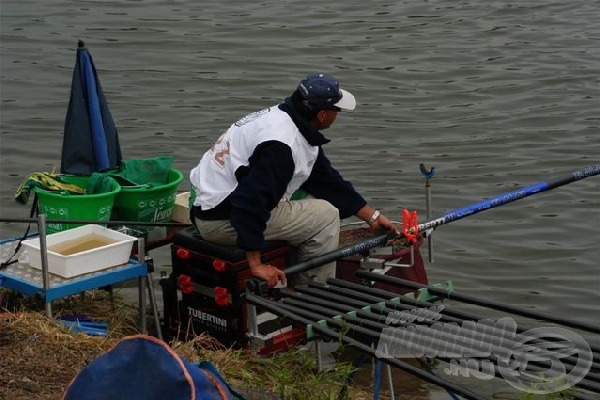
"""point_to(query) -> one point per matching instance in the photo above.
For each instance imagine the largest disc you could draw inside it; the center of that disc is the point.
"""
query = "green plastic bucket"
(152, 203)
(67, 206)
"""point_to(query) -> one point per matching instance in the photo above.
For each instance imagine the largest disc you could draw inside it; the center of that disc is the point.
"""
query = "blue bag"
(142, 367)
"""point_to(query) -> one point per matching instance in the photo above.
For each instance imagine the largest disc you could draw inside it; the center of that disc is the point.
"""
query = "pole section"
(481, 302)
(467, 394)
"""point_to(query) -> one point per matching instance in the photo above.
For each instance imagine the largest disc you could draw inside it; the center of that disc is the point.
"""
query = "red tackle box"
(204, 293)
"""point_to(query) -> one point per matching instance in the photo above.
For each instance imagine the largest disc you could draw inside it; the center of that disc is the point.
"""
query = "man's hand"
(384, 222)
(376, 220)
(267, 272)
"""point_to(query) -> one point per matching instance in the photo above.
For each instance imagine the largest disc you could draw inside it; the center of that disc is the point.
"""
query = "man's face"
(326, 118)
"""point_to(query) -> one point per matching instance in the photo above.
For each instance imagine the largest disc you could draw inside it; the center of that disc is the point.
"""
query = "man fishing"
(244, 183)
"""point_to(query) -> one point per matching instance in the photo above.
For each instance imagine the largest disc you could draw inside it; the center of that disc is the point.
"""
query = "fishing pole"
(257, 285)
(312, 316)
(481, 302)
(254, 284)
(463, 342)
(509, 197)
(448, 313)
(327, 332)
(344, 296)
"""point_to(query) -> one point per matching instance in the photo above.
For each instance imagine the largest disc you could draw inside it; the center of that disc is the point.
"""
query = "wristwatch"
(374, 217)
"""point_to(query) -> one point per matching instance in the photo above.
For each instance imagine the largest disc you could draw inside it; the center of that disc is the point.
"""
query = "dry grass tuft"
(41, 357)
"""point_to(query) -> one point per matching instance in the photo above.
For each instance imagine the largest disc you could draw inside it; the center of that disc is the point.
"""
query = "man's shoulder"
(269, 124)
(260, 116)
(277, 124)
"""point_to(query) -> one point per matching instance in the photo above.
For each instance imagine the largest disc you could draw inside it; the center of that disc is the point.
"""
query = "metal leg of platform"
(142, 305)
(390, 381)
(48, 310)
(41, 222)
(141, 291)
(318, 354)
(252, 326)
(149, 283)
(376, 365)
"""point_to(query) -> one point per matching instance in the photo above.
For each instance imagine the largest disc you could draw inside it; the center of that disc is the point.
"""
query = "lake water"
(496, 95)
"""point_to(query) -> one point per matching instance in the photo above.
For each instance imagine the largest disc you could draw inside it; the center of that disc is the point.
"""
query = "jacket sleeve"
(326, 183)
(260, 187)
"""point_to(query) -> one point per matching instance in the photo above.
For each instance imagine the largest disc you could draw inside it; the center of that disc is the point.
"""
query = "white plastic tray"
(81, 250)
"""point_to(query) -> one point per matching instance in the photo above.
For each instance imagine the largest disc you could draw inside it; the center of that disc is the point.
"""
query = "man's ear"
(321, 115)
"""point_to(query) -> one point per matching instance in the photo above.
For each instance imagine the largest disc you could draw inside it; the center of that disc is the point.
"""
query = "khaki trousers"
(312, 226)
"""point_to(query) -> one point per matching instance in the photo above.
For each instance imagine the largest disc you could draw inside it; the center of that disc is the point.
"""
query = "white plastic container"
(181, 209)
(81, 250)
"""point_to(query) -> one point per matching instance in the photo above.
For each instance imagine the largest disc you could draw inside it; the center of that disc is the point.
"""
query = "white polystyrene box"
(181, 209)
(117, 252)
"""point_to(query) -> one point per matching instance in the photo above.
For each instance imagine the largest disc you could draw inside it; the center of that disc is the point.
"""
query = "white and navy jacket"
(261, 160)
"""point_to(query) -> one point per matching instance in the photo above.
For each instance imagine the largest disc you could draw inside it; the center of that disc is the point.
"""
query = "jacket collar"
(312, 135)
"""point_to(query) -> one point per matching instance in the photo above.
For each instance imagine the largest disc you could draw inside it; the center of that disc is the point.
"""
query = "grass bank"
(40, 357)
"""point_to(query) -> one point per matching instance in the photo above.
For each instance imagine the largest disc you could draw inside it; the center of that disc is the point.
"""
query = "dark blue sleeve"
(260, 187)
(326, 183)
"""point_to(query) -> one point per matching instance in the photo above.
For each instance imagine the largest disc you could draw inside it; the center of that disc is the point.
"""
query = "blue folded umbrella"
(91, 141)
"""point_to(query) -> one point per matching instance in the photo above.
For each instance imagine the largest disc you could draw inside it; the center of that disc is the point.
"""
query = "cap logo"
(303, 89)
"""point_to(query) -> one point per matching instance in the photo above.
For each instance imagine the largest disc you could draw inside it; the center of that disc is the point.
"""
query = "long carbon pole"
(481, 302)
(327, 332)
(450, 216)
(358, 298)
(509, 197)
(449, 314)
(462, 342)
(347, 251)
